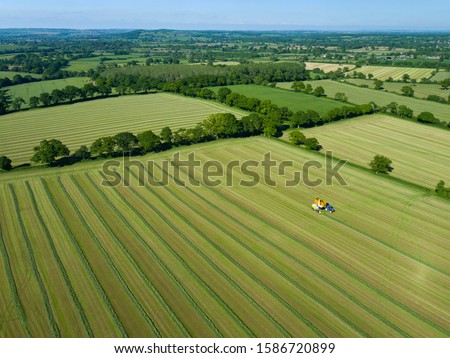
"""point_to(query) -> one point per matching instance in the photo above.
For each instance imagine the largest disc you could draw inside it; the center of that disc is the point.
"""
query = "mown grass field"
(419, 153)
(440, 76)
(420, 90)
(327, 67)
(84, 259)
(28, 90)
(82, 123)
(360, 95)
(384, 72)
(11, 74)
(294, 101)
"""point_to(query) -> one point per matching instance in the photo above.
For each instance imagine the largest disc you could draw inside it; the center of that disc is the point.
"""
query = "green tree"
(312, 144)
(5, 101)
(381, 164)
(58, 96)
(407, 91)
(297, 137)
(148, 141)
(71, 92)
(90, 89)
(5, 163)
(298, 86)
(34, 101)
(319, 91)
(378, 85)
(104, 146)
(406, 77)
(427, 117)
(340, 96)
(405, 112)
(82, 153)
(166, 135)
(48, 151)
(308, 88)
(45, 99)
(125, 141)
(222, 125)
(222, 94)
(17, 103)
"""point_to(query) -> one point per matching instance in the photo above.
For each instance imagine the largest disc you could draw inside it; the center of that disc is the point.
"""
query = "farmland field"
(121, 261)
(384, 72)
(420, 90)
(82, 123)
(440, 76)
(11, 74)
(85, 64)
(419, 153)
(327, 67)
(293, 100)
(28, 90)
(360, 95)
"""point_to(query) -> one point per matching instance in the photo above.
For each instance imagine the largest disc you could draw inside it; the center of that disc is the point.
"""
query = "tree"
(405, 112)
(442, 190)
(308, 88)
(5, 101)
(252, 124)
(378, 85)
(17, 103)
(381, 164)
(58, 96)
(340, 96)
(104, 146)
(298, 86)
(45, 99)
(148, 141)
(427, 117)
(34, 101)
(445, 84)
(406, 77)
(222, 125)
(90, 89)
(407, 91)
(312, 144)
(5, 163)
(166, 135)
(297, 137)
(48, 151)
(71, 92)
(82, 153)
(125, 141)
(319, 91)
(222, 94)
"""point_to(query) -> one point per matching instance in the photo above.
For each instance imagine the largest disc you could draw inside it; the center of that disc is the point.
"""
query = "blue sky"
(229, 14)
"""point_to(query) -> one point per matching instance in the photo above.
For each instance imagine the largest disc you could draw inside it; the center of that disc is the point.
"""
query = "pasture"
(358, 95)
(440, 76)
(384, 72)
(11, 74)
(420, 90)
(293, 100)
(81, 123)
(419, 153)
(28, 90)
(327, 67)
(90, 260)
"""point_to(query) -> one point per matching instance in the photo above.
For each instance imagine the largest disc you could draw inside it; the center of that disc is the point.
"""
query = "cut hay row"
(60, 266)
(207, 258)
(91, 217)
(217, 202)
(106, 301)
(308, 296)
(82, 123)
(384, 72)
(172, 324)
(419, 153)
(359, 95)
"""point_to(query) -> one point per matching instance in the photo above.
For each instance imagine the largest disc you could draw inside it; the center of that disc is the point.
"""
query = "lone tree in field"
(312, 144)
(298, 86)
(340, 96)
(407, 91)
(378, 85)
(319, 91)
(381, 164)
(442, 190)
(427, 117)
(5, 163)
(48, 151)
(297, 137)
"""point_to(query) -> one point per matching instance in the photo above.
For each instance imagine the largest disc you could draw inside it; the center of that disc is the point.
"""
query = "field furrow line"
(13, 286)
(295, 259)
(163, 265)
(62, 269)
(37, 275)
(135, 264)
(88, 267)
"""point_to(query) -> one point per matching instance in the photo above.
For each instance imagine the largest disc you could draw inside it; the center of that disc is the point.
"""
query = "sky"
(415, 15)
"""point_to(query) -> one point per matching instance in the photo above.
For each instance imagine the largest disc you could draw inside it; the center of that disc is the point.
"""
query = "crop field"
(81, 123)
(420, 90)
(419, 153)
(293, 100)
(85, 64)
(384, 72)
(327, 67)
(440, 76)
(28, 90)
(85, 259)
(358, 95)
(11, 74)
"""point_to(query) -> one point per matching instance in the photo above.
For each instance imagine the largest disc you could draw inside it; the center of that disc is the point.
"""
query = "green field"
(28, 90)
(294, 101)
(440, 76)
(384, 72)
(82, 123)
(85, 64)
(420, 90)
(84, 259)
(327, 67)
(419, 153)
(11, 74)
(360, 95)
